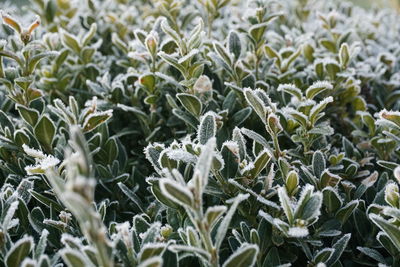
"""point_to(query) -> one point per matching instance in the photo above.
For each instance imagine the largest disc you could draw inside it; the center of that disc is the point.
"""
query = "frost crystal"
(33, 152)
(298, 232)
(181, 155)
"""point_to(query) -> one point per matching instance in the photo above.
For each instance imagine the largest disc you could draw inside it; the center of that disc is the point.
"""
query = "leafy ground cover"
(199, 133)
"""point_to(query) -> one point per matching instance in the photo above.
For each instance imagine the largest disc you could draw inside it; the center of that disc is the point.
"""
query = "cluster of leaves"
(199, 132)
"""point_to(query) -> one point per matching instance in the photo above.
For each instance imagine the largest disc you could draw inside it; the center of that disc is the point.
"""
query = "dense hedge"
(199, 133)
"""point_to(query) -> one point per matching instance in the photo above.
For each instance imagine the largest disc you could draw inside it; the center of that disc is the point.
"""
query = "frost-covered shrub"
(199, 133)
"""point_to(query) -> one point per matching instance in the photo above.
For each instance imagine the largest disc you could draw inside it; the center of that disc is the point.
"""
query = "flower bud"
(292, 182)
(166, 231)
(274, 127)
(152, 43)
(202, 85)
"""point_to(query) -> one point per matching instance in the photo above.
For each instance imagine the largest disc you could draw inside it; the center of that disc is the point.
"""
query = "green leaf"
(70, 41)
(331, 46)
(257, 31)
(317, 88)
(245, 256)
(287, 62)
(260, 163)
(372, 253)
(224, 225)
(152, 262)
(256, 103)
(29, 115)
(213, 214)
(230, 154)
(89, 35)
(292, 182)
(323, 255)
(131, 195)
(45, 131)
(311, 208)
(234, 44)
(272, 53)
(307, 195)
(318, 163)
(339, 247)
(96, 119)
(331, 199)
(150, 250)
(329, 179)
(241, 116)
(207, 128)
(41, 245)
(344, 213)
(74, 258)
(203, 165)
(33, 61)
(51, 9)
(176, 193)
(315, 111)
(344, 55)
(171, 32)
(173, 62)
(186, 117)
(391, 230)
(223, 54)
(201, 253)
(191, 103)
(148, 81)
(272, 259)
(19, 251)
(286, 204)
(291, 89)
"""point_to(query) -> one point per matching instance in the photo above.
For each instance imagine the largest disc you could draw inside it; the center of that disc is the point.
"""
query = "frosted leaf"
(202, 85)
(220, 159)
(259, 198)
(396, 173)
(291, 89)
(152, 153)
(305, 103)
(124, 233)
(207, 128)
(248, 167)
(181, 155)
(369, 181)
(318, 87)
(33, 152)
(49, 162)
(97, 118)
(232, 146)
(188, 56)
(44, 164)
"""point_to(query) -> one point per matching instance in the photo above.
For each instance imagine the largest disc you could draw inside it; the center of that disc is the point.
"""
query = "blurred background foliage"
(362, 3)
